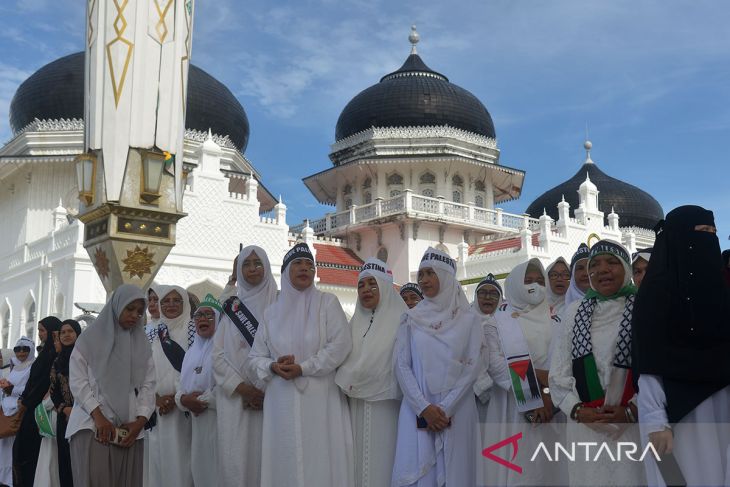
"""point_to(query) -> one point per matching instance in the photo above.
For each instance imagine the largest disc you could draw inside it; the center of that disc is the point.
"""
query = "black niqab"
(681, 323)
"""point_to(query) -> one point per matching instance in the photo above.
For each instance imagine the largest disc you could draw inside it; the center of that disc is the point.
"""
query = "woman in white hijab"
(170, 438)
(558, 274)
(13, 386)
(367, 378)
(437, 359)
(519, 362)
(307, 438)
(579, 282)
(239, 397)
(112, 380)
(196, 394)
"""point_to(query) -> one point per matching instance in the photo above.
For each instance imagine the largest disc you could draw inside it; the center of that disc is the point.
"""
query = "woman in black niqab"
(681, 341)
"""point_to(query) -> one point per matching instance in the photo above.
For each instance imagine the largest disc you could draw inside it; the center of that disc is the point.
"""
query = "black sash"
(244, 320)
(173, 351)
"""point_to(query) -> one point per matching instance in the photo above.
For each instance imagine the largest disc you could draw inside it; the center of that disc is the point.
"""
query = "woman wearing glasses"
(558, 274)
(196, 394)
(169, 439)
(12, 387)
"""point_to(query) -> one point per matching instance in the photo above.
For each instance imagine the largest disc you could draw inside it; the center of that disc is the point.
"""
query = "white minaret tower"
(587, 211)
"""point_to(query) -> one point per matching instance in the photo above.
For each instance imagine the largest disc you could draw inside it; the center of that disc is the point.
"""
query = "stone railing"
(413, 205)
(68, 236)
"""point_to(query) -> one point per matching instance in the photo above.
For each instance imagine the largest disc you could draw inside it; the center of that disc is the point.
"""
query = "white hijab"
(117, 357)
(255, 298)
(574, 293)
(367, 373)
(555, 301)
(156, 289)
(259, 297)
(199, 355)
(533, 319)
(445, 322)
(17, 364)
(293, 320)
(180, 327)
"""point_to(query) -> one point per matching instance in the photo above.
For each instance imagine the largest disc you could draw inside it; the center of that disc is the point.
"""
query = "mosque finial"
(414, 38)
(588, 145)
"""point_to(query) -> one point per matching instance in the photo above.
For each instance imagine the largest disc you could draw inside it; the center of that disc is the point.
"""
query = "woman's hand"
(193, 404)
(435, 418)
(104, 427)
(252, 398)
(286, 368)
(134, 428)
(545, 413)
(165, 404)
(614, 414)
(663, 441)
(67, 411)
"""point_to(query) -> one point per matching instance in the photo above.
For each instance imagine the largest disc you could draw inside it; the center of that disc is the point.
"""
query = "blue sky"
(650, 78)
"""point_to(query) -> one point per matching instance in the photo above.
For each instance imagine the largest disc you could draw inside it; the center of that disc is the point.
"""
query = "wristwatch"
(546, 390)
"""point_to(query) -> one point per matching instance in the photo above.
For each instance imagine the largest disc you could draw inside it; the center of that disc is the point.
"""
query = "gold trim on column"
(91, 37)
(185, 59)
(161, 26)
(118, 87)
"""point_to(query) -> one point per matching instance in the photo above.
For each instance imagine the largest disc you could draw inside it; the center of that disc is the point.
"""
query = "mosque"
(415, 163)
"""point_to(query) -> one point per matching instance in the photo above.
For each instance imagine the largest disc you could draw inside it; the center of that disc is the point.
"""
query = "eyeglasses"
(208, 315)
(21, 349)
(554, 276)
(488, 294)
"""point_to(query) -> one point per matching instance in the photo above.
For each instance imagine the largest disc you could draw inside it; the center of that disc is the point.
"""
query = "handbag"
(43, 420)
(9, 425)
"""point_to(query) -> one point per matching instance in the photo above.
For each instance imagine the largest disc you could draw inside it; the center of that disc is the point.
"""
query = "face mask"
(535, 293)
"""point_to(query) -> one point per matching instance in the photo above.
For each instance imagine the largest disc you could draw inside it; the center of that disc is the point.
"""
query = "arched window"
(348, 202)
(367, 183)
(479, 201)
(479, 194)
(427, 178)
(458, 188)
(30, 322)
(429, 192)
(5, 327)
(427, 183)
(457, 180)
(479, 186)
(456, 196)
(347, 189)
(367, 197)
(395, 184)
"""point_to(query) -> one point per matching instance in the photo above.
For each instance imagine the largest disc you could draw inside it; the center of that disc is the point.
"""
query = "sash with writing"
(244, 320)
(173, 351)
(525, 386)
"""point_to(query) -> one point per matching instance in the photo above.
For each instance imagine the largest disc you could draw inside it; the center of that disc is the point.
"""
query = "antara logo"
(512, 440)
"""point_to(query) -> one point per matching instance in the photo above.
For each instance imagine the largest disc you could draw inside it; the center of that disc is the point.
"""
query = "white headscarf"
(259, 297)
(293, 319)
(438, 312)
(156, 289)
(367, 373)
(199, 355)
(17, 364)
(117, 357)
(555, 301)
(255, 298)
(574, 293)
(534, 319)
(182, 327)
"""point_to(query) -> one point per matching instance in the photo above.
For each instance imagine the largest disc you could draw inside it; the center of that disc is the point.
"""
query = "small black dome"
(56, 91)
(414, 95)
(635, 207)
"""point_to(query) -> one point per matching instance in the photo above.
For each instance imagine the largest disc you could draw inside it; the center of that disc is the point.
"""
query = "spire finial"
(210, 134)
(588, 145)
(562, 198)
(414, 38)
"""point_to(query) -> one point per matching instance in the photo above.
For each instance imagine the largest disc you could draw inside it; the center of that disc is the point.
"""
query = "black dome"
(635, 207)
(56, 91)
(414, 95)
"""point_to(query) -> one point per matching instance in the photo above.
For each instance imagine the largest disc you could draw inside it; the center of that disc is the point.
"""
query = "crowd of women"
(268, 387)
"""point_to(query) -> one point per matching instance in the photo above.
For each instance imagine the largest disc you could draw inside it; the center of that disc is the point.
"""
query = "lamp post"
(86, 176)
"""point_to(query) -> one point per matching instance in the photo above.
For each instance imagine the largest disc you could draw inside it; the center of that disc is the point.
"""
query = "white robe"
(374, 425)
(239, 429)
(46, 470)
(604, 335)
(169, 441)
(307, 436)
(450, 454)
(701, 439)
(19, 378)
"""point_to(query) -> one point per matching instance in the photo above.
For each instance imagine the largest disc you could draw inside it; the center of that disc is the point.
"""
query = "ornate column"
(129, 178)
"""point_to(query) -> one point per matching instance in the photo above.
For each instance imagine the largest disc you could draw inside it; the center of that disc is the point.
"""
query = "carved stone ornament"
(138, 262)
(101, 263)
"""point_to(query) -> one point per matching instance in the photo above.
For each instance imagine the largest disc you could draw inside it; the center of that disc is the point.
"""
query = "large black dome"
(635, 207)
(414, 95)
(56, 91)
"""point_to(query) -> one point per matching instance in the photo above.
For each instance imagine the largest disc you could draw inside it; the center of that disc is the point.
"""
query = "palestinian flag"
(524, 383)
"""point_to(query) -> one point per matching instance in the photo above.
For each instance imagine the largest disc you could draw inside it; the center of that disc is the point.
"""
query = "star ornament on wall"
(138, 262)
(101, 262)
